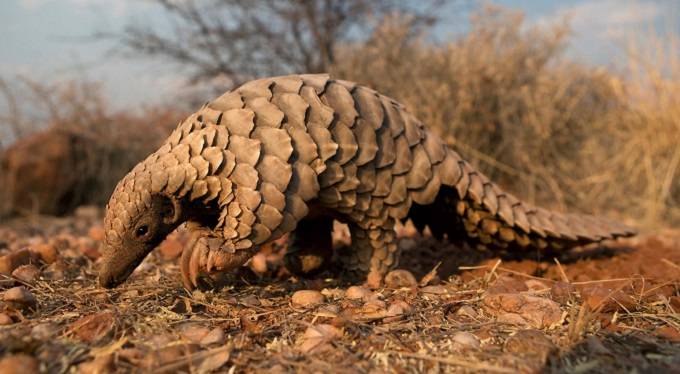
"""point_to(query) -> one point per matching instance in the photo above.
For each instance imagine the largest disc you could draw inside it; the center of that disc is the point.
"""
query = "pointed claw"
(185, 264)
(195, 262)
(211, 261)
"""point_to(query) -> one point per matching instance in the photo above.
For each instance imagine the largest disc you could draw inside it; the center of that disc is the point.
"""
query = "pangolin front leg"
(206, 253)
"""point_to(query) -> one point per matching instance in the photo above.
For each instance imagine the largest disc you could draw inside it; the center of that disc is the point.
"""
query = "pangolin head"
(137, 220)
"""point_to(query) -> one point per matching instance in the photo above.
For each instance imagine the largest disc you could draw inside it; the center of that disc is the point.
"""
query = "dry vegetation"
(556, 132)
(78, 146)
(562, 134)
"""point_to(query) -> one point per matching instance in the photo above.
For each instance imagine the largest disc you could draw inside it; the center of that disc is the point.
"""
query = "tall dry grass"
(555, 132)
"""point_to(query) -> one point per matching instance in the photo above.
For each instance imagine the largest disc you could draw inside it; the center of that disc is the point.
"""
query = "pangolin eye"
(142, 230)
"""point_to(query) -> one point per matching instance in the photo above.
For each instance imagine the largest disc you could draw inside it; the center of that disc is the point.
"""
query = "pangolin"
(297, 152)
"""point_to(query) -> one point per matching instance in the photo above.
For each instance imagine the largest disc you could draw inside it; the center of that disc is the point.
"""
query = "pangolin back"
(262, 153)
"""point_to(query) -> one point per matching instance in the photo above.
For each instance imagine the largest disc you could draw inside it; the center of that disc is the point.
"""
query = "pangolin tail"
(470, 206)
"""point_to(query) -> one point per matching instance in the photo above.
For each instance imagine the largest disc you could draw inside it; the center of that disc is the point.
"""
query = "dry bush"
(72, 148)
(558, 133)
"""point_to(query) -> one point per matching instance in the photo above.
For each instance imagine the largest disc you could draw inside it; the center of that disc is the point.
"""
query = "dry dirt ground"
(608, 309)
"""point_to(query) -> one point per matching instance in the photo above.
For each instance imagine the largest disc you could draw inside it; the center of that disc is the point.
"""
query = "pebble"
(307, 298)
(11, 261)
(5, 319)
(317, 336)
(19, 298)
(26, 273)
(47, 252)
(561, 292)
(44, 331)
(19, 363)
(532, 342)
(538, 312)
(466, 339)
(467, 311)
(215, 336)
(400, 278)
(358, 293)
(101, 364)
(194, 333)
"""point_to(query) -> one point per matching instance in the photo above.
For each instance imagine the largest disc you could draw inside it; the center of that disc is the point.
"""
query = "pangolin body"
(298, 151)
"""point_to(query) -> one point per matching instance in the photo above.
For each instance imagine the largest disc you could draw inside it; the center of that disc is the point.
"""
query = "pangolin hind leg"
(373, 252)
(310, 246)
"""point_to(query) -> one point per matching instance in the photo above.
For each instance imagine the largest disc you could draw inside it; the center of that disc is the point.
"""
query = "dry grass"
(72, 146)
(558, 133)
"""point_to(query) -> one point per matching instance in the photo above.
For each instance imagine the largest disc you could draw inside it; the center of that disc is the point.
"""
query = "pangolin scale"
(295, 152)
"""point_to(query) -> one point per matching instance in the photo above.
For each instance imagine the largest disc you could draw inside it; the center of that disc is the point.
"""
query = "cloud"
(115, 7)
(606, 18)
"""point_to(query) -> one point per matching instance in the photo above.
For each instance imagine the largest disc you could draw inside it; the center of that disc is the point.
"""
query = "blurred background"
(569, 104)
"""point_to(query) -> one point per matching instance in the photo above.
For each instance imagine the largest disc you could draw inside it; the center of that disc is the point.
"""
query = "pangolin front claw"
(205, 254)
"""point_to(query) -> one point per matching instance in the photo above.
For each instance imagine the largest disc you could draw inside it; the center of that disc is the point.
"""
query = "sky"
(51, 40)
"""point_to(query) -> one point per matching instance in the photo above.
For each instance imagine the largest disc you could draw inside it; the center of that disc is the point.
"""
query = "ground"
(604, 309)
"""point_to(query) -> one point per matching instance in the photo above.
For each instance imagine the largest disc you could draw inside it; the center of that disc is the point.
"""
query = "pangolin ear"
(171, 210)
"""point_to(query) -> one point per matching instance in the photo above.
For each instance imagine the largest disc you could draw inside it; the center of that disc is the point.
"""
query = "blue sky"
(49, 40)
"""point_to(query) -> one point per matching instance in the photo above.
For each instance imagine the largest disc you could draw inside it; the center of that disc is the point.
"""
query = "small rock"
(94, 327)
(506, 284)
(251, 301)
(5, 319)
(19, 298)
(374, 305)
(605, 299)
(96, 233)
(216, 360)
(176, 354)
(561, 292)
(531, 342)
(669, 333)
(358, 292)
(11, 261)
(466, 339)
(512, 319)
(100, 364)
(307, 298)
(467, 311)
(399, 308)
(19, 363)
(536, 285)
(258, 263)
(194, 332)
(317, 336)
(400, 278)
(55, 271)
(330, 311)
(171, 248)
(26, 273)
(47, 252)
(215, 336)
(537, 311)
(674, 302)
(45, 331)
